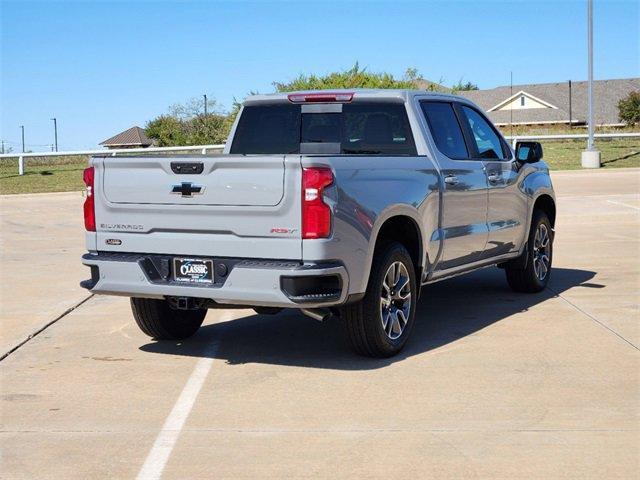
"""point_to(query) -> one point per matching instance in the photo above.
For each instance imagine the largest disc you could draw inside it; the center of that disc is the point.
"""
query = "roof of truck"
(359, 93)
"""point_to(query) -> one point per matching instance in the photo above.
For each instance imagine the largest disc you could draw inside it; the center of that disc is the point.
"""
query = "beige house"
(553, 103)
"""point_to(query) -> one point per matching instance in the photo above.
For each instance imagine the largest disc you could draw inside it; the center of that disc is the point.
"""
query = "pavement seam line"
(622, 204)
(44, 327)
(170, 432)
(339, 431)
(594, 319)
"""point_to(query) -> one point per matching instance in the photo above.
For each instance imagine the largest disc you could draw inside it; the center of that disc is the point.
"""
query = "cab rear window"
(363, 128)
(267, 129)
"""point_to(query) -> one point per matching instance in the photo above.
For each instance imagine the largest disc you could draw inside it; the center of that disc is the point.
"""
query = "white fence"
(516, 138)
(204, 149)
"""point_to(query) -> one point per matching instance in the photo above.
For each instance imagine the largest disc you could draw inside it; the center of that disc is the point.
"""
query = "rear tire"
(380, 324)
(158, 320)
(537, 257)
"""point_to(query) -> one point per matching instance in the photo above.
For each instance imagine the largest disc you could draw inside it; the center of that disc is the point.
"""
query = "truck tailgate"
(224, 180)
(237, 206)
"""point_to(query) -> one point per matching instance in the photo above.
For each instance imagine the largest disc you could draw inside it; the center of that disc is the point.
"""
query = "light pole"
(55, 132)
(22, 128)
(205, 105)
(590, 156)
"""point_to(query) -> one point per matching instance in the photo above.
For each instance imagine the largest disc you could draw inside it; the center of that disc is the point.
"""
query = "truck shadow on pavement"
(447, 312)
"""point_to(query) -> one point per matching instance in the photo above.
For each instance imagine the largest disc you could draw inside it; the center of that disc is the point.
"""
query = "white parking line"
(623, 204)
(168, 436)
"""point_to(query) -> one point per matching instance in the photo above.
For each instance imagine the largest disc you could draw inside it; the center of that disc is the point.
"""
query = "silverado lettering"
(120, 226)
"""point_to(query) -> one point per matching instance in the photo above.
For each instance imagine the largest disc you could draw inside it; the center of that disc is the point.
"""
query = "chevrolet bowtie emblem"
(187, 189)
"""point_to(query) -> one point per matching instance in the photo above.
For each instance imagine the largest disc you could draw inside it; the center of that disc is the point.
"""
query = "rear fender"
(400, 210)
(535, 185)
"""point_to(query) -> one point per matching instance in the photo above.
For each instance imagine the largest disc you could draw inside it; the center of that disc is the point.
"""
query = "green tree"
(193, 108)
(209, 129)
(186, 124)
(167, 130)
(354, 77)
(461, 87)
(629, 108)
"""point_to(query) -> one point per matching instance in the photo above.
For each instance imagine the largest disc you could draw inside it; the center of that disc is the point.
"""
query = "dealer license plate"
(192, 270)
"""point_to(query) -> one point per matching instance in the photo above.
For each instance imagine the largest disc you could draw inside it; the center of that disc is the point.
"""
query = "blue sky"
(101, 67)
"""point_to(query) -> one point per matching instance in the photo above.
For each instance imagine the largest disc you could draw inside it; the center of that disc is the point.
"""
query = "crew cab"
(335, 203)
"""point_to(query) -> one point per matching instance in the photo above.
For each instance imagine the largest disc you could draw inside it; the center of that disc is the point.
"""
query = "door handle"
(494, 177)
(451, 180)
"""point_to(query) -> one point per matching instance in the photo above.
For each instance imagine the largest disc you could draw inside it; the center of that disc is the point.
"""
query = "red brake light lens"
(89, 206)
(316, 215)
(322, 97)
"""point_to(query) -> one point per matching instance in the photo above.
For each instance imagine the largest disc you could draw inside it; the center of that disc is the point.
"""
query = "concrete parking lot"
(492, 384)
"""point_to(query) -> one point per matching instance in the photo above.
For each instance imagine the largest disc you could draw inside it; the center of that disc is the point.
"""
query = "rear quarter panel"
(366, 192)
(536, 182)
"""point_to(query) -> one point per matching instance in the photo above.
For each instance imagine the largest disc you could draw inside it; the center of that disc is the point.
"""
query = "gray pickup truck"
(334, 203)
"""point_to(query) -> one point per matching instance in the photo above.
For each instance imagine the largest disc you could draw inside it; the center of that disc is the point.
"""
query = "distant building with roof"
(134, 137)
(553, 103)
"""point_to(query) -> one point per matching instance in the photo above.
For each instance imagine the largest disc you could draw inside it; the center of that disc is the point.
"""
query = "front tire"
(157, 319)
(379, 325)
(531, 272)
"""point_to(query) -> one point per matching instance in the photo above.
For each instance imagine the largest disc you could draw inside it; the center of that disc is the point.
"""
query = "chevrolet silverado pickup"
(337, 203)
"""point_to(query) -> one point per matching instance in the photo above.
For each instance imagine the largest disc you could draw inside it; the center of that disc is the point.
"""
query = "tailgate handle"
(187, 168)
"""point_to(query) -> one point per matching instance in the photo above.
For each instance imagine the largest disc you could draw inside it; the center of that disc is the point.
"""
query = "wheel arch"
(538, 188)
(401, 225)
(547, 204)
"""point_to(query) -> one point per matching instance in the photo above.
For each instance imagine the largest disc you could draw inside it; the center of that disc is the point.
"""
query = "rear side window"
(268, 129)
(486, 139)
(363, 128)
(445, 129)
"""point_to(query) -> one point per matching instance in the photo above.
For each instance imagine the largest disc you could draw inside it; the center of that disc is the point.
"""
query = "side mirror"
(528, 152)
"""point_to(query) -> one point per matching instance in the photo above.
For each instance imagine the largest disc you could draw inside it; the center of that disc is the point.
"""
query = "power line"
(28, 144)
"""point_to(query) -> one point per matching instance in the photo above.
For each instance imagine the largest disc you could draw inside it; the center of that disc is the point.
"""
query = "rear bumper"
(272, 283)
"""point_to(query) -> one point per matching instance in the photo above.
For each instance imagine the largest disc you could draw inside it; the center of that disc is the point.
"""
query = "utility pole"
(570, 123)
(22, 127)
(205, 105)
(55, 132)
(590, 156)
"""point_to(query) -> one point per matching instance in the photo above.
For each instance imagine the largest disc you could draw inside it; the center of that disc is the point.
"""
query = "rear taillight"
(322, 97)
(89, 206)
(316, 215)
